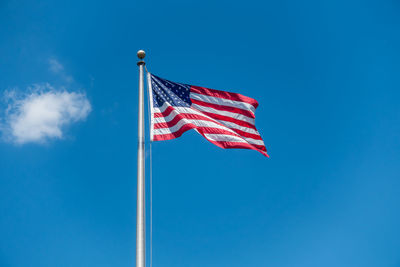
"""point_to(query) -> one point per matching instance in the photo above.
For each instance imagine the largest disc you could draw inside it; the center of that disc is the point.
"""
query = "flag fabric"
(223, 118)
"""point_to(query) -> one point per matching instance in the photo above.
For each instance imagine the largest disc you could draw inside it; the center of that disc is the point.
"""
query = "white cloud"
(42, 114)
(56, 67)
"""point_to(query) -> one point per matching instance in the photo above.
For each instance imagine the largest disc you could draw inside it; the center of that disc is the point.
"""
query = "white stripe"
(223, 138)
(178, 110)
(230, 138)
(223, 101)
(236, 116)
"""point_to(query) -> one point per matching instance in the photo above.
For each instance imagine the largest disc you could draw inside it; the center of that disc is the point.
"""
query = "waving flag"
(223, 118)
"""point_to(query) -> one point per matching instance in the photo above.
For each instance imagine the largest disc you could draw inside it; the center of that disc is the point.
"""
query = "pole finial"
(141, 54)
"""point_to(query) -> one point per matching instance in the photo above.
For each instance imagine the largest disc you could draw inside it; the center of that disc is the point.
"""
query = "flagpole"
(140, 207)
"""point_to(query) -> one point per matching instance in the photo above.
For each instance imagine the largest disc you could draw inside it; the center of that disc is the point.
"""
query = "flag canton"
(176, 94)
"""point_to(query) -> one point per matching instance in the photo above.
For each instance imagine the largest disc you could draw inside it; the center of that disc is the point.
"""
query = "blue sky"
(326, 75)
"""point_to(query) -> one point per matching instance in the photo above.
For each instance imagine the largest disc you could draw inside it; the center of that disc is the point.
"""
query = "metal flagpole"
(140, 208)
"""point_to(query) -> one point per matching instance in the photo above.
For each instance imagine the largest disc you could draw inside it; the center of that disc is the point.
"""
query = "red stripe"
(239, 145)
(165, 113)
(205, 130)
(223, 94)
(180, 116)
(224, 108)
(225, 144)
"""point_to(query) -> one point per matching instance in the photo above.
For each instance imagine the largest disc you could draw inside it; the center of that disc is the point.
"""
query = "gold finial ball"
(141, 54)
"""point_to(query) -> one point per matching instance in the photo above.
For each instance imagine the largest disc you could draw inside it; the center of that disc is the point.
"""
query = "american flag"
(223, 118)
